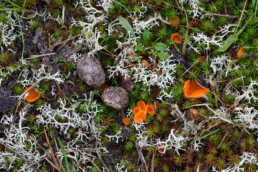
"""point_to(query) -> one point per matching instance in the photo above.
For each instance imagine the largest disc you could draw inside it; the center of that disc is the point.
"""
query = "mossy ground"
(52, 33)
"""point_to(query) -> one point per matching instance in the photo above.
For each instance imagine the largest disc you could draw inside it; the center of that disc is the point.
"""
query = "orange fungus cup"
(33, 95)
(150, 110)
(141, 104)
(174, 21)
(141, 110)
(176, 38)
(140, 117)
(240, 52)
(193, 90)
(126, 121)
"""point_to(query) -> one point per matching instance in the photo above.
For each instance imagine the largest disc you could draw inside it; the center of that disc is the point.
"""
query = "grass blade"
(65, 157)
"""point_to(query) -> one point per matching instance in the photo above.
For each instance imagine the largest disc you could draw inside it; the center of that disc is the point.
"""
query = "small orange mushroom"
(136, 110)
(33, 95)
(193, 90)
(176, 38)
(240, 52)
(150, 109)
(126, 121)
(174, 21)
(141, 104)
(202, 58)
(140, 117)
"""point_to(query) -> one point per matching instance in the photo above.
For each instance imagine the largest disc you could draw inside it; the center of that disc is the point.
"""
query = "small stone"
(90, 70)
(115, 97)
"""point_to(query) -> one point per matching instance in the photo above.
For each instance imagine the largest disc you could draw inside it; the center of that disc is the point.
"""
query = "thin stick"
(189, 68)
(63, 93)
(222, 140)
(153, 160)
(187, 25)
(241, 16)
(41, 55)
(130, 54)
(225, 7)
(66, 40)
(50, 163)
(221, 15)
(52, 152)
(141, 156)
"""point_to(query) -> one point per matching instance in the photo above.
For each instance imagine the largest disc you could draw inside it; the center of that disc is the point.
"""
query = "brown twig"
(53, 165)
(41, 55)
(225, 7)
(52, 152)
(222, 140)
(130, 54)
(241, 15)
(62, 93)
(224, 90)
(221, 15)
(63, 42)
(141, 156)
(153, 160)
(214, 92)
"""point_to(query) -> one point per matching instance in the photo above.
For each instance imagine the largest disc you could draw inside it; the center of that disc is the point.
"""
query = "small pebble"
(115, 97)
(90, 70)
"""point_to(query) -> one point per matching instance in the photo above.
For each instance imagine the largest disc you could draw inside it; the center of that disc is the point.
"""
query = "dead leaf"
(126, 83)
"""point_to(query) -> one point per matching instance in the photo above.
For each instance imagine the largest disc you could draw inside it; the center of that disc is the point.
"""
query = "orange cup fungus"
(193, 90)
(141, 110)
(202, 58)
(174, 21)
(150, 110)
(140, 117)
(176, 38)
(126, 121)
(240, 52)
(33, 95)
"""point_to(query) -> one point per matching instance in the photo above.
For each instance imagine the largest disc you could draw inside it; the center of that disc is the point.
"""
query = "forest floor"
(128, 85)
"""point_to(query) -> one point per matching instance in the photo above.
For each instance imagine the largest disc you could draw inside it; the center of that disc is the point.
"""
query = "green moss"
(150, 132)
(17, 89)
(162, 33)
(222, 21)
(221, 163)
(207, 26)
(158, 2)
(164, 105)
(236, 134)
(206, 68)
(5, 58)
(34, 24)
(129, 145)
(200, 155)
(69, 66)
(165, 168)
(224, 146)
(210, 159)
(215, 139)
(229, 99)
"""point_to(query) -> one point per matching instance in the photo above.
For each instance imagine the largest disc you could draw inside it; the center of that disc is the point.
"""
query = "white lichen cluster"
(21, 144)
(8, 31)
(246, 158)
